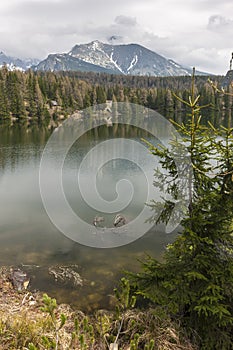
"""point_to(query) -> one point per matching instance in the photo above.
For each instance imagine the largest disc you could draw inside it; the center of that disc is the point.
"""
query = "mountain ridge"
(126, 59)
(99, 57)
(17, 63)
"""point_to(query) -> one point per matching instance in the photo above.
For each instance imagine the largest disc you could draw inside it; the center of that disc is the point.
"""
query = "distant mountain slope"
(65, 62)
(130, 59)
(16, 63)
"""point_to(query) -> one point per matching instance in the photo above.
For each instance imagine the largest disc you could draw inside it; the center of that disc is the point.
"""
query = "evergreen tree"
(14, 94)
(32, 110)
(4, 108)
(100, 95)
(87, 100)
(195, 281)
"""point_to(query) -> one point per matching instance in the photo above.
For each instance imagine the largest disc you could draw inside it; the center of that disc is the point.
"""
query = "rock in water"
(20, 279)
(97, 220)
(119, 220)
(66, 274)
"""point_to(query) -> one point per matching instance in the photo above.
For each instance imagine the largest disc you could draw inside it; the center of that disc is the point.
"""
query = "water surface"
(27, 236)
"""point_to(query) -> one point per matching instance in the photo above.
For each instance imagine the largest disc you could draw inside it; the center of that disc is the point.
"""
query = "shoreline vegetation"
(32, 320)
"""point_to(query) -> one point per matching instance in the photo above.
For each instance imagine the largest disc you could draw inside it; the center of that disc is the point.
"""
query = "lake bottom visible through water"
(29, 240)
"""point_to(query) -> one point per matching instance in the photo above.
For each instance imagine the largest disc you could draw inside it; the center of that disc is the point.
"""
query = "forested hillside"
(44, 95)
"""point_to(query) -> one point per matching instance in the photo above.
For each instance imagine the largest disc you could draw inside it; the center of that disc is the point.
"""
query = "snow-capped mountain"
(66, 62)
(130, 59)
(13, 63)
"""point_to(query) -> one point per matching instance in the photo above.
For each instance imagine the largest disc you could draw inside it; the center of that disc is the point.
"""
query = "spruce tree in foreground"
(195, 281)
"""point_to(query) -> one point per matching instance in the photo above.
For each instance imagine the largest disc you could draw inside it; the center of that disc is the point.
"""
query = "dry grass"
(23, 322)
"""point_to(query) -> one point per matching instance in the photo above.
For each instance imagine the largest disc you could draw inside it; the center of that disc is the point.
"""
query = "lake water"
(28, 238)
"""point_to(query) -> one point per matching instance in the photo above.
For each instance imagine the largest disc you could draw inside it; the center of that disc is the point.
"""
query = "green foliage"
(195, 281)
(83, 334)
(134, 342)
(50, 306)
(32, 94)
(125, 299)
(150, 345)
(31, 347)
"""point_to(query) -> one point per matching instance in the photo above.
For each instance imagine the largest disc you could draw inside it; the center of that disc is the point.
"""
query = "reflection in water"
(28, 237)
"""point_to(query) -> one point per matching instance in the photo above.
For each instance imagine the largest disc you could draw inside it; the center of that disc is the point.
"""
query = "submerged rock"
(66, 274)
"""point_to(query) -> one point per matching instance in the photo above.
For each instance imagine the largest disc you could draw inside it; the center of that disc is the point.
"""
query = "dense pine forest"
(40, 95)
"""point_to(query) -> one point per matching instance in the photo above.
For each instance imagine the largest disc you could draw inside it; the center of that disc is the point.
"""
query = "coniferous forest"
(42, 95)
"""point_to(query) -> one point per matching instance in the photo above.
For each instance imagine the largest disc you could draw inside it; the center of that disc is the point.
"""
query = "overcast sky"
(192, 32)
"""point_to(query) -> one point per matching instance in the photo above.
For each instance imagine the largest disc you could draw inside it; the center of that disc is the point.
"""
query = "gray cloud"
(218, 22)
(126, 21)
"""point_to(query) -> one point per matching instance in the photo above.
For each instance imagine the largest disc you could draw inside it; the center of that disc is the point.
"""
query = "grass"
(32, 321)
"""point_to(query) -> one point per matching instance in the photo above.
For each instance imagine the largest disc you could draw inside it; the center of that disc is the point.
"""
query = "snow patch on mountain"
(115, 63)
(133, 63)
(96, 54)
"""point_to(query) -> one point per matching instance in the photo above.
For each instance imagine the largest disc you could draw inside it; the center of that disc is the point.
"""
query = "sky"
(191, 32)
